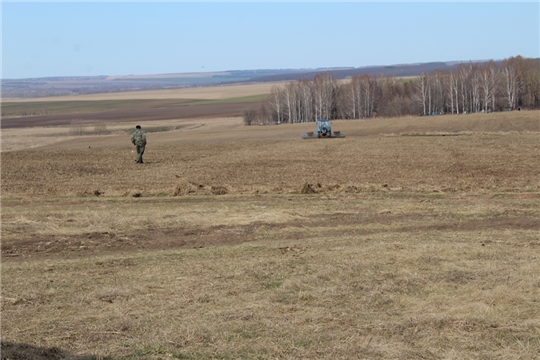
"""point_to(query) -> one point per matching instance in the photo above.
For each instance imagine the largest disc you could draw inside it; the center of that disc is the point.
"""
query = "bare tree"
(348, 101)
(532, 82)
(354, 94)
(438, 92)
(369, 88)
(277, 101)
(475, 88)
(494, 74)
(423, 90)
(452, 99)
(289, 95)
(319, 95)
(77, 128)
(325, 95)
(471, 88)
(488, 81)
(511, 83)
(462, 75)
(263, 114)
(100, 128)
(306, 98)
(249, 116)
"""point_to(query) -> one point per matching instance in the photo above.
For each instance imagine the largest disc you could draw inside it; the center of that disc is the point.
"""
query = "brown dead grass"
(359, 280)
(409, 244)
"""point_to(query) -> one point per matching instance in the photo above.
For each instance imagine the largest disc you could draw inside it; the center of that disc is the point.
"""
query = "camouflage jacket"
(138, 138)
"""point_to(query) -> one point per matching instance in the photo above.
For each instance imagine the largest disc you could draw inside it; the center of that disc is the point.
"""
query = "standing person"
(139, 140)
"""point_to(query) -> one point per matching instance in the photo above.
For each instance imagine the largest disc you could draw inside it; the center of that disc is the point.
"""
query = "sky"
(71, 38)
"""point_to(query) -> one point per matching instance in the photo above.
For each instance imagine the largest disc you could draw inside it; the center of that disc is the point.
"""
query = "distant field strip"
(32, 108)
(202, 92)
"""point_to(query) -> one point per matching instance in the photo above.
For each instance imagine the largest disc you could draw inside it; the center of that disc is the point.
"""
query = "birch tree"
(325, 100)
(356, 84)
(475, 88)
(462, 76)
(288, 95)
(369, 88)
(488, 82)
(437, 92)
(423, 86)
(533, 83)
(452, 98)
(277, 101)
(306, 96)
(511, 85)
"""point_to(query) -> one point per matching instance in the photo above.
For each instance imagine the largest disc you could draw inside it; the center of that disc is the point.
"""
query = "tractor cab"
(324, 128)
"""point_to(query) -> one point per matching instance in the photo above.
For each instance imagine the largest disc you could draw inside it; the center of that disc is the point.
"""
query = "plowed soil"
(275, 159)
(135, 115)
(214, 160)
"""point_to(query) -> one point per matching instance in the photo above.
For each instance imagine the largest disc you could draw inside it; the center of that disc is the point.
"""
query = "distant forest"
(511, 84)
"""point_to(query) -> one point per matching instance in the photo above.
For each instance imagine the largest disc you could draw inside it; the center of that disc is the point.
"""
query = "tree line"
(471, 88)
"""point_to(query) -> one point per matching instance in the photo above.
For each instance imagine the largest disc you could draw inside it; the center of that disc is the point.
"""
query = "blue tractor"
(324, 130)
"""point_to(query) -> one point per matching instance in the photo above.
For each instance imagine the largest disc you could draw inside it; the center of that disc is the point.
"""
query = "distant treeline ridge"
(471, 88)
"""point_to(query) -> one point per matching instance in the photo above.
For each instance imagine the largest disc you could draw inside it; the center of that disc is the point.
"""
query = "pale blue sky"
(42, 39)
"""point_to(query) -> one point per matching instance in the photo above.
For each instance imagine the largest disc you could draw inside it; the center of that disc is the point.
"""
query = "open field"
(134, 106)
(411, 238)
(37, 114)
(205, 92)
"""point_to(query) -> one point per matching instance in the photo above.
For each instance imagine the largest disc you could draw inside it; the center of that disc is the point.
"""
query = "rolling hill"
(55, 86)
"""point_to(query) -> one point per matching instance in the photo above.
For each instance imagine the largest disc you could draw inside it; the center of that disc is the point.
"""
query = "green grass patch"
(78, 107)
(251, 98)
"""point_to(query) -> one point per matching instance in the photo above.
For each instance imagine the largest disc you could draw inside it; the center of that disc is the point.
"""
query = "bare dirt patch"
(91, 244)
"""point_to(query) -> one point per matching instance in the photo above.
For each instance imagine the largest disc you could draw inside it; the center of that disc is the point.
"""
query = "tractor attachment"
(324, 130)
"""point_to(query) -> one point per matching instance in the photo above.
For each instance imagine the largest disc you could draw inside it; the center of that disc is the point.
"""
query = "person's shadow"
(20, 351)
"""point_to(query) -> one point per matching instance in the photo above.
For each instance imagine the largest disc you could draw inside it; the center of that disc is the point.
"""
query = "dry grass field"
(414, 238)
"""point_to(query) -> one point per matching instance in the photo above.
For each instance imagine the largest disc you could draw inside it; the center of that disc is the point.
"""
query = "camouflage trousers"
(140, 152)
